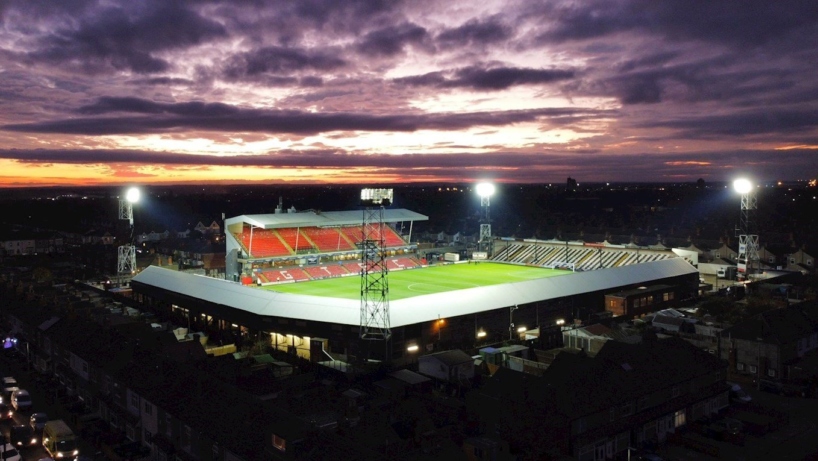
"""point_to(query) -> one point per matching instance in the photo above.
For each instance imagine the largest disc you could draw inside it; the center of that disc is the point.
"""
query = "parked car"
(9, 386)
(726, 429)
(737, 394)
(10, 453)
(6, 411)
(38, 420)
(22, 436)
(7, 390)
(21, 400)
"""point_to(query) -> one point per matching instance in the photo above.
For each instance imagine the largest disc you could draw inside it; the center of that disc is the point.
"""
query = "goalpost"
(562, 265)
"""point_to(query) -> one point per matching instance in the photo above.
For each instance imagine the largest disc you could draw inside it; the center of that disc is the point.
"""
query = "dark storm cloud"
(654, 79)
(475, 32)
(163, 81)
(390, 41)
(495, 78)
(325, 11)
(164, 117)
(751, 22)
(783, 121)
(143, 106)
(280, 60)
(123, 40)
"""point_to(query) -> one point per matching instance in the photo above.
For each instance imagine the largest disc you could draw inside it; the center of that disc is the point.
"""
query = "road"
(39, 403)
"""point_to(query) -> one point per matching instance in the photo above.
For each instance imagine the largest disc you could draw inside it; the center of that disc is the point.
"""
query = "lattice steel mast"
(126, 254)
(747, 259)
(374, 273)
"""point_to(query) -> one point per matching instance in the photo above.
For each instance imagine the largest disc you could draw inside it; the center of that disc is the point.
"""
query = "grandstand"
(580, 255)
(268, 243)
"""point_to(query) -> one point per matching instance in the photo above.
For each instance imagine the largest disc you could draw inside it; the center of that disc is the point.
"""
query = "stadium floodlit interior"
(294, 279)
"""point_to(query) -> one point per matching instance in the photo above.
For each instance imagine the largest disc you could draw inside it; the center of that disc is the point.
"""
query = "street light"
(511, 321)
(485, 190)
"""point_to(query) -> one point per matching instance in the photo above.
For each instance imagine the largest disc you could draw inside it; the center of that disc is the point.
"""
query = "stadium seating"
(295, 274)
(353, 267)
(353, 233)
(294, 238)
(264, 243)
(391, 239)
(327, 239)
(331, 270)
(401, 263)
(585, 258)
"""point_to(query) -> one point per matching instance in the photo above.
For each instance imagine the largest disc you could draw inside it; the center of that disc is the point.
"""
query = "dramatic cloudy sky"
(376, 91)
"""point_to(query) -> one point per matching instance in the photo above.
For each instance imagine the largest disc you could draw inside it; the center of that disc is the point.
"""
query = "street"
(21, 371)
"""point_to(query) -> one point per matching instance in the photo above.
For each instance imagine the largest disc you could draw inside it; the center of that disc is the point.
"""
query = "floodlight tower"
(747, 239)
(126, 254)
(485, 190)
(374, 280)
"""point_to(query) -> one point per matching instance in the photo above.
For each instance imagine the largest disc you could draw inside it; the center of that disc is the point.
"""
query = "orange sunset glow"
(357, 92)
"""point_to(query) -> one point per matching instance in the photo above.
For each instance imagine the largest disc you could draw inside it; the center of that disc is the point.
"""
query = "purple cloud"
(164, 117)
(494, 78)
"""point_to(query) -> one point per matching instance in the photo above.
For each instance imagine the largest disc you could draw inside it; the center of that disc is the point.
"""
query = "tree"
(41, 275)
(719, 307)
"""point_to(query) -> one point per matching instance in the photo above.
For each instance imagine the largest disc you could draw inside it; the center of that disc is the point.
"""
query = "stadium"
(295, 279)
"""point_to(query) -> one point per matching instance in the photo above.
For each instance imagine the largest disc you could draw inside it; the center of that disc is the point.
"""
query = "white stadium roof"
(311, 218)
(408, 311)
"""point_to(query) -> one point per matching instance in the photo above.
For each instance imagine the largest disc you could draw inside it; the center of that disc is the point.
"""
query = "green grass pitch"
(422, 281)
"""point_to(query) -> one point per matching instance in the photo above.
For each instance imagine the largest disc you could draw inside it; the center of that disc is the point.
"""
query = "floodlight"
(412, 348)
(742, 186)
(481, 334)
(521, 330)
(376, 197)
(560, 322)
(485, 189)
(133, 195)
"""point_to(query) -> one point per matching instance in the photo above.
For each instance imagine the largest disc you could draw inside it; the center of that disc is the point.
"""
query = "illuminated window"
(753, 368)
(740, 366)
(279, 443)
(679, 418)
(771, 373)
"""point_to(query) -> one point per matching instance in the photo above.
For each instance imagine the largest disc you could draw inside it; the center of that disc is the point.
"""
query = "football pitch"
(422, 281)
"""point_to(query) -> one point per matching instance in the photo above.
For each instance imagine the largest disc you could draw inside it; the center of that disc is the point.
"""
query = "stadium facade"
(326, 330)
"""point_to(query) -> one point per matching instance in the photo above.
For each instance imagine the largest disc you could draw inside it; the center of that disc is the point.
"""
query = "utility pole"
(511, 322)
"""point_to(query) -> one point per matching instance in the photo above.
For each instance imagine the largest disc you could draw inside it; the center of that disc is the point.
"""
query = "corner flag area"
(423, 281)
